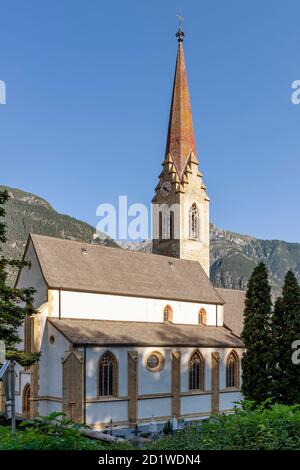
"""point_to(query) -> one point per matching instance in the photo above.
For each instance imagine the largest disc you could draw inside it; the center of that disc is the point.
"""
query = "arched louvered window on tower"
(108, 375)
(196, 371)
(232, 370)
(202, 317)
(194, 222)
(166, 225)
(172, 225)
(160, 225)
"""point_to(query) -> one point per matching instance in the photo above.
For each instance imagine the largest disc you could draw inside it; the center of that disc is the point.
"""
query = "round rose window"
(154, 361)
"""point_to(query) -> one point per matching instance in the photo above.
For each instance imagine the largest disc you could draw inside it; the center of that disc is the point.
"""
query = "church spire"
(180, 206)
(180, 140)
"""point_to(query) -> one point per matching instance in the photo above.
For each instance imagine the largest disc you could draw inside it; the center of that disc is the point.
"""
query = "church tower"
(180, 207)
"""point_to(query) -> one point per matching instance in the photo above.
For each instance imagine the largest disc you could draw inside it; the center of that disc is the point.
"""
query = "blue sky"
(88, 96)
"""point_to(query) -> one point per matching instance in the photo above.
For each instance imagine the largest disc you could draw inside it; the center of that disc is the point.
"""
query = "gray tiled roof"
(233, 309)
(86, 267)
(106, 332)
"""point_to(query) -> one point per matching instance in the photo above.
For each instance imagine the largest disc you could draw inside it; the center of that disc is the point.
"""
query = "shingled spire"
(181, 140)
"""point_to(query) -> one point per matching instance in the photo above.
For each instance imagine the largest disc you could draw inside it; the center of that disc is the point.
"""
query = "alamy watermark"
(295, 97)
(2, 92)
(296, 353)
(134, 221)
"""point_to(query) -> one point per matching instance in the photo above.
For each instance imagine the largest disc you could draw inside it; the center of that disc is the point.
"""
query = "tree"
(15, 304)
(285, 330)
(256, 384)
(277, 327)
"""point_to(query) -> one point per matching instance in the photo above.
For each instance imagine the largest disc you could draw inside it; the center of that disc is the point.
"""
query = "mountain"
(145, 245)
(27, 213)
(233, 256)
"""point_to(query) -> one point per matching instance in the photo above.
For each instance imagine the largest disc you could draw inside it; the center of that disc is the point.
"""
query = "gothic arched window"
(168, 313)
(166, 225)
(232, 370)
(160, 224)
(108, 375)
(202, 317)
(171, 225)
(194, 221)
(196, 371)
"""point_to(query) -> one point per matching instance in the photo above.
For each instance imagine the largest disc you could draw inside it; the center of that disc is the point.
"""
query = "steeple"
(181, 206)
(180, 140)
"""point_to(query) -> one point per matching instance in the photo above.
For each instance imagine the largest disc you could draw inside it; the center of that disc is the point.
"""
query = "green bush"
(267, 427)
(51, 432)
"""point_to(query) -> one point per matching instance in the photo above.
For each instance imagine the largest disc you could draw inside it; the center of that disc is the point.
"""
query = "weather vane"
(180, 20)
(180, 33)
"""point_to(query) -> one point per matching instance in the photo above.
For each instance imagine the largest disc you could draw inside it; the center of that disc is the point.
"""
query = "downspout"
(59, 303)
(216, 315)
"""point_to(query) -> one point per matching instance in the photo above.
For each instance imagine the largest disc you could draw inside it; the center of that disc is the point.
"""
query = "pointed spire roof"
(181, 139)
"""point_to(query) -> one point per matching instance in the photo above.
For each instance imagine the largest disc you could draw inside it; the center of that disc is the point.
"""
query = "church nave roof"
(122, 333)
(73, 265)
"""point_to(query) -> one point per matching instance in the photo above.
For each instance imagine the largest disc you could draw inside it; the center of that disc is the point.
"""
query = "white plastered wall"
(113, 307)
(30, 276)
(153, 383)
(50, 376)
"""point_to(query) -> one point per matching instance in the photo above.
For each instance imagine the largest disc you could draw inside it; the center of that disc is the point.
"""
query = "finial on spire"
(180, 33)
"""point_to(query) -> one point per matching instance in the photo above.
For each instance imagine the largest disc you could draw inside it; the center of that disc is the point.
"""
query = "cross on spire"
(180, 33)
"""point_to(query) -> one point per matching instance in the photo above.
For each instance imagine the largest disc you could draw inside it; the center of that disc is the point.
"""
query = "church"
(127, 337)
